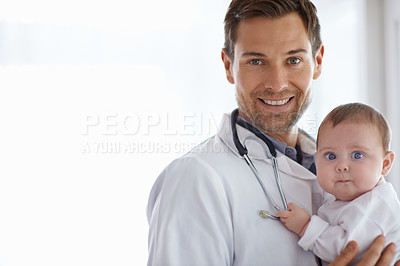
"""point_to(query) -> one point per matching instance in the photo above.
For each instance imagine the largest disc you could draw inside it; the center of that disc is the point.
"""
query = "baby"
(351, 159)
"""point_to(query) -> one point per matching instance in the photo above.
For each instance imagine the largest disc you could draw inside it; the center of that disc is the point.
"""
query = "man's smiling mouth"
(279, 102)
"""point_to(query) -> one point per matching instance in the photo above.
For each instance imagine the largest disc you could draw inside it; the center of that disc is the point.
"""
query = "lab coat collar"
(306, 142)
(258, 150)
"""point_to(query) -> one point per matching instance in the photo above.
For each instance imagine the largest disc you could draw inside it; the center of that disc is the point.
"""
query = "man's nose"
(276, 78)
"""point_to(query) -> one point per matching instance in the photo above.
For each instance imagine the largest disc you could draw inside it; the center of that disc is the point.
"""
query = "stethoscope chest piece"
(266, 214)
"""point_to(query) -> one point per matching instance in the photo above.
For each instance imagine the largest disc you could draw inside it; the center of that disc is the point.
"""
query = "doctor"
(204, 208)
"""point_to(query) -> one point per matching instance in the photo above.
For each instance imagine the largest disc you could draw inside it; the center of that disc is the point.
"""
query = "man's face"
(273, 69)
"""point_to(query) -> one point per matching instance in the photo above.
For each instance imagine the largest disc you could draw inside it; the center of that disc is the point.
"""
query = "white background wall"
(391, 85)
(97, 97)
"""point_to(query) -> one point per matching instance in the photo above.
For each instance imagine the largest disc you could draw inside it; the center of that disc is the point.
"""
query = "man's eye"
(294, 60)
(357, 155)
(330, 156)
(255, 62)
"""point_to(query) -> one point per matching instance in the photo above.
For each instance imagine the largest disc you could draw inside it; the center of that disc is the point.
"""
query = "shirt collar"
(305, 141)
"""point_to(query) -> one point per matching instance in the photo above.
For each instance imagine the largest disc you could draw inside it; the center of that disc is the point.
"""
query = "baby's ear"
(387, 162)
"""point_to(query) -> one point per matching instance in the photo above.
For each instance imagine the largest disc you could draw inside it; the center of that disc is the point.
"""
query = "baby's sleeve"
(328, 240)
(324, 240)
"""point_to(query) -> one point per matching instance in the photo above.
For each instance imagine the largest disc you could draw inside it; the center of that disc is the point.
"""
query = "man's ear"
(387, 162)
(228, 64)
(318, 61)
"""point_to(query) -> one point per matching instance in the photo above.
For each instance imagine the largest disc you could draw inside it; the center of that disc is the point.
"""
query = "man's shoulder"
(210, 148)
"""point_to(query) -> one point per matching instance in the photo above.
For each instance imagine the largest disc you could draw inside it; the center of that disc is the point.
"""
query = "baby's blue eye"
(330, 156)
(357, 155)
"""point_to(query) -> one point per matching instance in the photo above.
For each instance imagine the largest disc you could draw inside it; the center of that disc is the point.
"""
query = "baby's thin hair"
(361, 114)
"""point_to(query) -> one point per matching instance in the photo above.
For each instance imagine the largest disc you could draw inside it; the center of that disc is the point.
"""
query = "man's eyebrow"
(301, 50)
(291, 52)
(254, 54)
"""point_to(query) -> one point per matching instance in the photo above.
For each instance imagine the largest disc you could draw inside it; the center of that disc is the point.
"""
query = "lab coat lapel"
(258, 150)
(292, 168)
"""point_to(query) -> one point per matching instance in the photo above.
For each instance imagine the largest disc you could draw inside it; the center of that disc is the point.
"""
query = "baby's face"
(350, 159)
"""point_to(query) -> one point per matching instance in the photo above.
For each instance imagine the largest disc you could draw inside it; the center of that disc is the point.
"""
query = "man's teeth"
(281, 102)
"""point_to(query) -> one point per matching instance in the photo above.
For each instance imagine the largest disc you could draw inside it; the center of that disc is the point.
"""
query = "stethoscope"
(244, 153)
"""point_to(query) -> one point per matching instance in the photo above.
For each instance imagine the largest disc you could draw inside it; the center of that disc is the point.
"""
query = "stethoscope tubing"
(278, 182)
(244, 153)
(263, 186)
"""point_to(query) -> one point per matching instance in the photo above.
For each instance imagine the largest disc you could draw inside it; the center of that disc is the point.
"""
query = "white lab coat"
(203, 208)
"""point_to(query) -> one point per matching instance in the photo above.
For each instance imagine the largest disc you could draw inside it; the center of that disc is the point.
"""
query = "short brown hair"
(360, 113)
(241, 9)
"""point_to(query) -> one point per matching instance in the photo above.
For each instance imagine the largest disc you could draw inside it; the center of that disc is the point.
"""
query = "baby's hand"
(295, 219)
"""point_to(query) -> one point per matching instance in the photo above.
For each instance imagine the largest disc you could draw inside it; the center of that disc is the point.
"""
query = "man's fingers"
(373, 256)
(347, 254)
(374, 252)
(387, 255)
